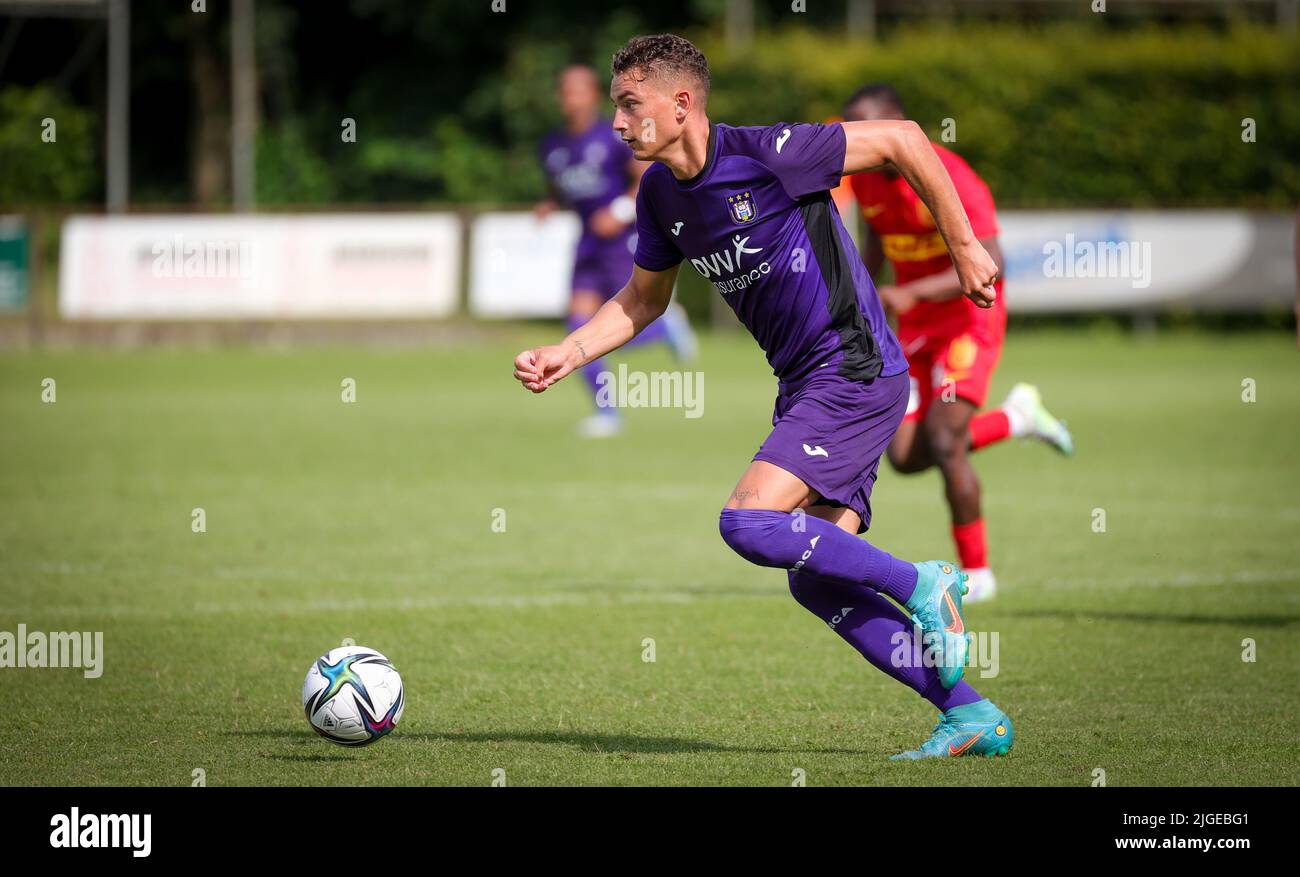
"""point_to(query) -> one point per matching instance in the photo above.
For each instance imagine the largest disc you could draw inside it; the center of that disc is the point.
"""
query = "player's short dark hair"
(665, 55)
(881, 91)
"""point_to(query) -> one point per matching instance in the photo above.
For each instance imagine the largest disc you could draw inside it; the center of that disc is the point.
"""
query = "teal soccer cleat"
(936, 607)
(978, 728)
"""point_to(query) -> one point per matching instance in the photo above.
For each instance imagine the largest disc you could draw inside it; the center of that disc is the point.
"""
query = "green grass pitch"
(522, 650)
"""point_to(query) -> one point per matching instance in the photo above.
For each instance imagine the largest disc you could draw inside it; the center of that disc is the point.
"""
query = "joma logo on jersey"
(742, 207)
(725, 262)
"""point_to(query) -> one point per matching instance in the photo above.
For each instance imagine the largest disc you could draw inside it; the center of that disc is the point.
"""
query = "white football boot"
(680, 335)
(1024, 409)
(602, 425)
(982, 585)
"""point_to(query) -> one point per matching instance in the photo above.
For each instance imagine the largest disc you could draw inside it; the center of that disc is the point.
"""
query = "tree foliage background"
(449, 99)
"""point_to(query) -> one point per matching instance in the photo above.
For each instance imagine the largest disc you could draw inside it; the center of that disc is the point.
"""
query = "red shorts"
(950, 367)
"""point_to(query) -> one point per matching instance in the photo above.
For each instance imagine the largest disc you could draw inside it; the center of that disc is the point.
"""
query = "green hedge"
(1066, 115)
(34, 171)
(1056, 115)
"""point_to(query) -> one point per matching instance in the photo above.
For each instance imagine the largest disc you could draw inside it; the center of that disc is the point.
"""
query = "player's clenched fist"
(538, 369)
(978, 272)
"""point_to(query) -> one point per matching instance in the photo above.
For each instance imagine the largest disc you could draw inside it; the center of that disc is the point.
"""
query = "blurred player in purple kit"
(749, 208)
(590, 169)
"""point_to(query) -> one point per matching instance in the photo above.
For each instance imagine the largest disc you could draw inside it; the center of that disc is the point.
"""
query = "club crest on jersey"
(742, 207)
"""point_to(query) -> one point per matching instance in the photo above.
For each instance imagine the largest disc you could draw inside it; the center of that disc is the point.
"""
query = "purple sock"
(589, 371)
(654, 332)
(880, 632)
(589, 374)
(802, 542)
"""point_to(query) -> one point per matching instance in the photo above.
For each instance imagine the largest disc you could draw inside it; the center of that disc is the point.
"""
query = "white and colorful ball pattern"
(353, 696)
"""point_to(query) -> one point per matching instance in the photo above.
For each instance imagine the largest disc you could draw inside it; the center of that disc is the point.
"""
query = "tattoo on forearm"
(581, 350)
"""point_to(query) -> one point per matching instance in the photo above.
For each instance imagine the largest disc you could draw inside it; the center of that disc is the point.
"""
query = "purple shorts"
(603, 269)
(830, 431)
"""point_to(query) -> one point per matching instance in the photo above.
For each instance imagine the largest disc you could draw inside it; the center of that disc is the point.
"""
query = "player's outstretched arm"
(903, 144)
(618, 321)
(946, 284)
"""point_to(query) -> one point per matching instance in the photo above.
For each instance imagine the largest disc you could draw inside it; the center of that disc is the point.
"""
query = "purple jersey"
(758, 222)
(588, 171)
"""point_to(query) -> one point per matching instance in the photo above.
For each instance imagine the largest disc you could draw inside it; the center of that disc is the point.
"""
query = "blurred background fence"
(269, 108)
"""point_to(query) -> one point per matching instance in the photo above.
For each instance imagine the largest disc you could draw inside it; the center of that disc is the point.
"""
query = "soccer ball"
(353, 696)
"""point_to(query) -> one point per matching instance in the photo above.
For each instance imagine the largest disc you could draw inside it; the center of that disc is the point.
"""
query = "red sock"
(989, 428)
(972, 550)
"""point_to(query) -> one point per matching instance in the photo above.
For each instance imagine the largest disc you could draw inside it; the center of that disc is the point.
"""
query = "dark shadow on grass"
(298, 738)
(1257, 620)
(308, 758)
(612, 743)
(584, 740)
(614, 592)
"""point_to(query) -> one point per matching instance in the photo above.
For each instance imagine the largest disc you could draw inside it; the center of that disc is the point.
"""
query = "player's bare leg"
(845, 518)
(908, 452)
(951, 431)
(945, 431)
(765, 486)
(946, 434)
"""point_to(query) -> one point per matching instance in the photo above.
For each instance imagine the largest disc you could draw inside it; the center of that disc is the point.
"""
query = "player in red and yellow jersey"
(952, 347)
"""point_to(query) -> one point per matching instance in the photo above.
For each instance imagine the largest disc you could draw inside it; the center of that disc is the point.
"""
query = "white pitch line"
(1180, 580)
(584, 598)
(396, 604)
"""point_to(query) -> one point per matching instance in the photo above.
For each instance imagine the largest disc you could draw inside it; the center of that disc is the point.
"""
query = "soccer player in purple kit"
(591, 169)
(749, 208)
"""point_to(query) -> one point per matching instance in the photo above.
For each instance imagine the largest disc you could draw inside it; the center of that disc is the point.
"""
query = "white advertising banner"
(521, 266)
(260, 267)
(1057, 261)
(1080, 260)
